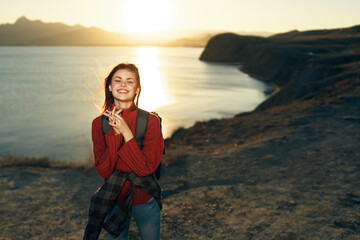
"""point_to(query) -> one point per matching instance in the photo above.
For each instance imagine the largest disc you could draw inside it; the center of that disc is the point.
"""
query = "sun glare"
(144, 16)
(152, 92)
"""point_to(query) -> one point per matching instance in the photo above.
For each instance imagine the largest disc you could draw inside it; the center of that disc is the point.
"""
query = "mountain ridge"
(25, 32)
(28, 33)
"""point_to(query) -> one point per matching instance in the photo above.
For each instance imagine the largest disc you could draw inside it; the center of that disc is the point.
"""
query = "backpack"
(142, 118)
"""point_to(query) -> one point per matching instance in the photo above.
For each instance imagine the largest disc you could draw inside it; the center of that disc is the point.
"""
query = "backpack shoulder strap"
(142, 118)
(105, 127)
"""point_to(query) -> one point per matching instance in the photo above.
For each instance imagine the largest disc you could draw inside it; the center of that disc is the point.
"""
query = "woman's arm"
(105, 151)
(144, 162)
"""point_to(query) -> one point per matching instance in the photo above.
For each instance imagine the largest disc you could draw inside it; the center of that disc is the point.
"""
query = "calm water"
(46, 93)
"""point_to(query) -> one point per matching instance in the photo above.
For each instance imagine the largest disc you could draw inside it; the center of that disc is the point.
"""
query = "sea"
(50, 95)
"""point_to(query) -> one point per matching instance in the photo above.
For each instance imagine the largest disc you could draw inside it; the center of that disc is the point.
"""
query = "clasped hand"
(118, 123)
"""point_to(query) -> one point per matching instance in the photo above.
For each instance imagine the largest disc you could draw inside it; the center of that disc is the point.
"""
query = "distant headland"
(25, 32)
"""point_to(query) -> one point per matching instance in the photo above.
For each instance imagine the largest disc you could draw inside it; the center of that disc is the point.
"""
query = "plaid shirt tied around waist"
(105, 197)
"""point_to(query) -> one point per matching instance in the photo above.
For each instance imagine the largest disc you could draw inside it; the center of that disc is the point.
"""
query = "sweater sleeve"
(145, 161)
(104, 148)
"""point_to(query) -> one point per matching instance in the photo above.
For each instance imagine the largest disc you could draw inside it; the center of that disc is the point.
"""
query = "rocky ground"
(288, 170)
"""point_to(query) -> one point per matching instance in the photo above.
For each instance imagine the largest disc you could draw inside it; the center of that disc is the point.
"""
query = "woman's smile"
(122, 91)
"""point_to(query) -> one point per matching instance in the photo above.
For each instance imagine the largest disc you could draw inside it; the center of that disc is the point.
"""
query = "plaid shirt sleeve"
(105, 197)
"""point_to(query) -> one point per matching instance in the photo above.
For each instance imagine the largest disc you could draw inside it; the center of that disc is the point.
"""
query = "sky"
(123, 16)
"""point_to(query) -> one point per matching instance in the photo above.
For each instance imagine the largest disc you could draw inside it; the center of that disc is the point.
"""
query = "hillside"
(25, 32)
(289, 169)
(195, 41)
(28, 33)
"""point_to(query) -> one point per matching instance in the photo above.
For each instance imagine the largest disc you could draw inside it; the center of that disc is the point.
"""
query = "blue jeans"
(147, 217)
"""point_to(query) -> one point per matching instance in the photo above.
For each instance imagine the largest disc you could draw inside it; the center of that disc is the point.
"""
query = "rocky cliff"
(290, 168)
(305, 65)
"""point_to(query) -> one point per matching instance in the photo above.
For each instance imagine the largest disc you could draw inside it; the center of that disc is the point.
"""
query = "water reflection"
(175, 83)
(152, 92)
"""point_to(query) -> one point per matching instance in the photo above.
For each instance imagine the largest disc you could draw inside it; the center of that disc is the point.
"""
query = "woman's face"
(123, 85)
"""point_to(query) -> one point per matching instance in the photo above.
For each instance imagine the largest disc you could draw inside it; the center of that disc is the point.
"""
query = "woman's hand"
(118, 124)
(111, 116)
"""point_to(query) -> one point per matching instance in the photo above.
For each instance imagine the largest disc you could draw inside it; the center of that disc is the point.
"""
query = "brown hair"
(109, 99)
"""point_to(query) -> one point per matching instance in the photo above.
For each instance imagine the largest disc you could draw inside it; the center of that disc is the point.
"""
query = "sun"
(144, 16)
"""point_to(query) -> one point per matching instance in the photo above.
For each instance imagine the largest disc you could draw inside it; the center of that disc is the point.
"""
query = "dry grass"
(45, 162)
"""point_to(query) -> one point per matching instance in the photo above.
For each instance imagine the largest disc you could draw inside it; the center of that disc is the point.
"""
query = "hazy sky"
(230, 15)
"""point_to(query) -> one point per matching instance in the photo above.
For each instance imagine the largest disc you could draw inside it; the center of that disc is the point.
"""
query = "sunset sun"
(143, 16)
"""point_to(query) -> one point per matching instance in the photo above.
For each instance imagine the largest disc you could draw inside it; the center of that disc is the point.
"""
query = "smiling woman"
(143, 16)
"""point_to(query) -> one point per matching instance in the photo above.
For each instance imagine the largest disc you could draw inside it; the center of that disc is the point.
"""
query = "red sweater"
(111, 152)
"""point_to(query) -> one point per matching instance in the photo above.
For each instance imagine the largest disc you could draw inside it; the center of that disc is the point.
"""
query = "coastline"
(287, 170)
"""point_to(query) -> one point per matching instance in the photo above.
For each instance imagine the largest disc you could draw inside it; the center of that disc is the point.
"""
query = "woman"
(118, 150)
